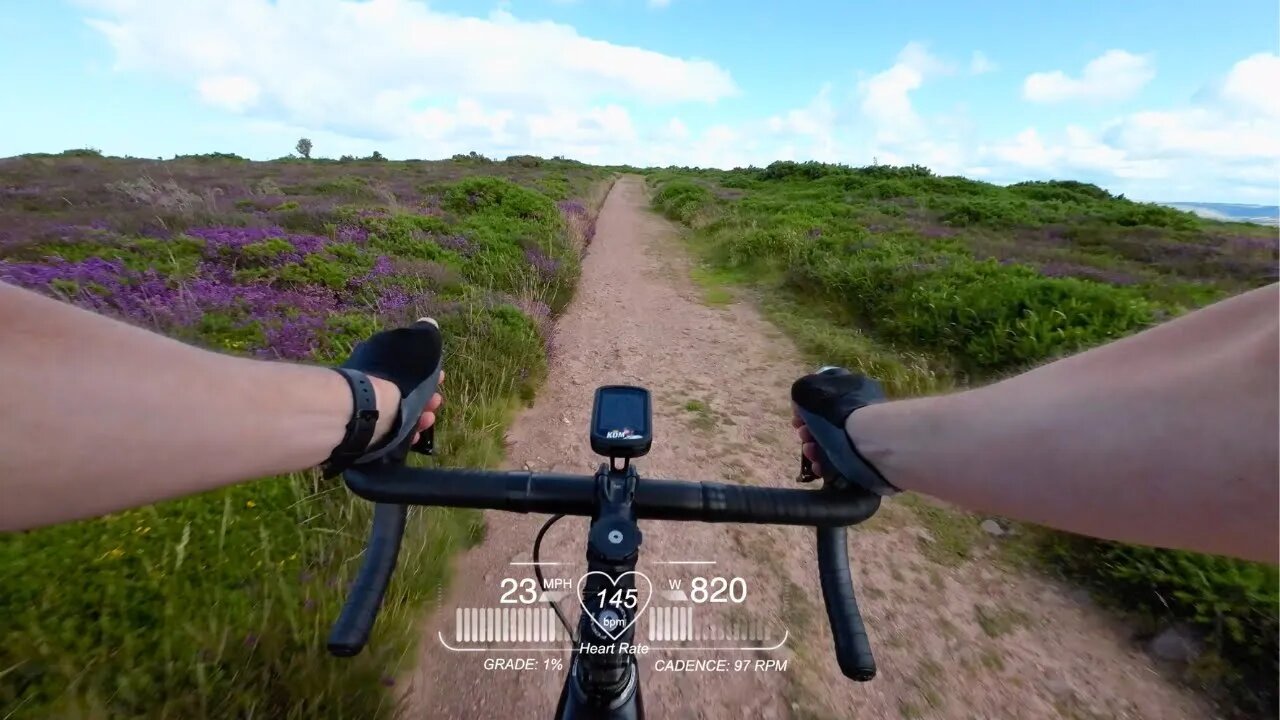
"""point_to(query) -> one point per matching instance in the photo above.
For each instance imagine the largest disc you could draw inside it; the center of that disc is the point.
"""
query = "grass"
(935, 283)
(999, 620)
(954, 534)
(703, 418)
(991, 660)
(713, 289)
(219, 605)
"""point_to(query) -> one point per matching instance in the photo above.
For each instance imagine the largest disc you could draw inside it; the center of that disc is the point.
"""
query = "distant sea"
(1260, 214)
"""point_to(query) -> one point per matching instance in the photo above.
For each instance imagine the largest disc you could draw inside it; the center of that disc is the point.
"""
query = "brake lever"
(426, 444)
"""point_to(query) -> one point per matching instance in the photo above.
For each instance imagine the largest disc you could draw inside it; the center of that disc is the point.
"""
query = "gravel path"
(966, 641)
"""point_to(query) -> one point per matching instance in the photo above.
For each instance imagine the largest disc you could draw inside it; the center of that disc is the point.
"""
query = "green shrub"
(225, 331)
(489, 194)
(994, 318)
(989, 317)
(750, 246)
(348, 187)
(344, 331)
(1233, 603)
(555, 187)
(1068, 191)
(212, 157)
(518, 369)
(412, 236)
(318, 221)
(175, 257)
(318, 270)
(994, 212)
(263, 252)
(681, 200)
(886, 189)
(1131, 214)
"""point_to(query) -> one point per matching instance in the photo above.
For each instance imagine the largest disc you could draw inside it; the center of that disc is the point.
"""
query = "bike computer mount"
(621, 422)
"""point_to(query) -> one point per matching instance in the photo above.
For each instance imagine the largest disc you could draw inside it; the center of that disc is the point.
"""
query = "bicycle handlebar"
(525, 492)
(853, 649)
(351, 630)
(393, 486)
(405, 355)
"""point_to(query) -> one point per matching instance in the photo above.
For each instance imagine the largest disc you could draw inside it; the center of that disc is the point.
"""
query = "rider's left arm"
(99, 415)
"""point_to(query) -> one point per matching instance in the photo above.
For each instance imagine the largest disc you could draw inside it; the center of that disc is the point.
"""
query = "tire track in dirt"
(952, 642)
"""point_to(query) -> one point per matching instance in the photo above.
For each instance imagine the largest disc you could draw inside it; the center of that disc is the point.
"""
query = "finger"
(796, 421)
(810, 451)
(427, 420)
(436, 401)
(805, 435)
(441, 380)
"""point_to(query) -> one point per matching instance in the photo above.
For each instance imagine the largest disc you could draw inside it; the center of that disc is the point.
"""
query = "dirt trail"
(964, 641)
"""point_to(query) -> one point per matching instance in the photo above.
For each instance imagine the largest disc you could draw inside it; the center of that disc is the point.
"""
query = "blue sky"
(1160, 100)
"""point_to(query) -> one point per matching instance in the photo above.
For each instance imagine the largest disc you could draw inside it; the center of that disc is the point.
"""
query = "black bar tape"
(351, 631)
(853, 649)
(527, 492)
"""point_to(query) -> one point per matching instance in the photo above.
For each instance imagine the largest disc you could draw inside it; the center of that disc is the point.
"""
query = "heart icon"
(616, 596)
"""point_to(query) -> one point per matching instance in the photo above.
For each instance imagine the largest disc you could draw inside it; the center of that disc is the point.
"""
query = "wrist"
(388, 398)
(869, 433)
(915, 443)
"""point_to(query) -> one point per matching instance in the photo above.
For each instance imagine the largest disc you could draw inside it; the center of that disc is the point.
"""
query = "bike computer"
(621, 422)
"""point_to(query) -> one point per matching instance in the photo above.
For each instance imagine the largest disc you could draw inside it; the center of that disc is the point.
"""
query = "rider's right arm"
(1167, 437)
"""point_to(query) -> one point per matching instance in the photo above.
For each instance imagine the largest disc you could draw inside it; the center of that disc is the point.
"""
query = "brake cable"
(537, 572)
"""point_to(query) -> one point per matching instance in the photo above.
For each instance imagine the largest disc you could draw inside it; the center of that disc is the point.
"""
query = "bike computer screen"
(621, 421)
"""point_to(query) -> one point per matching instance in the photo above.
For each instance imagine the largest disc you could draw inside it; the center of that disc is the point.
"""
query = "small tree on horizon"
(304, 148)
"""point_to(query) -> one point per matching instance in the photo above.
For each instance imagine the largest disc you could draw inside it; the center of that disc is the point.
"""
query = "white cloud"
(1197, 132)
(1026, 150)
(400, 77)
(230, 92)
(980, 64)
(676, 130)
(362, 67)
(602, 125)
(886, 96)
(1114, 75)
(1226, 145)
(1252, 84)
(814, 124)
(1078, 150)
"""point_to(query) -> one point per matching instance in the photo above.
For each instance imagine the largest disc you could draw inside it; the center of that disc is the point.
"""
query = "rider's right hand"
(833, 395)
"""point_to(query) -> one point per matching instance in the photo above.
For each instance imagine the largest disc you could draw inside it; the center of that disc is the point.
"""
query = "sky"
(1164, 100)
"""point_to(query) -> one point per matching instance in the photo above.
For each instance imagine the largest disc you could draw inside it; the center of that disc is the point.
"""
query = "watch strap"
(359, 431)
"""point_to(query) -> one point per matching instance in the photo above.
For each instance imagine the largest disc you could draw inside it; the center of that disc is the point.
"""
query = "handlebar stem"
(603, 670)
